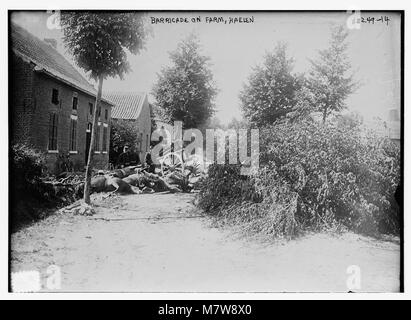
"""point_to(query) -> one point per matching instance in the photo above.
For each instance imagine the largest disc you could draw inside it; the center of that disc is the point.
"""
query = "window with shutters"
(53, 126)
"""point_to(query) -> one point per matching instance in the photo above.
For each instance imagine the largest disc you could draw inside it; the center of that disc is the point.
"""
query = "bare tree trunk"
(89, 168)
(324, 114)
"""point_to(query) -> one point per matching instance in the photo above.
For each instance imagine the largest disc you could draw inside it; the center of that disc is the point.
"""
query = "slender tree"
(271, 89)
(185, 91)
(97, 41)
(330, 79)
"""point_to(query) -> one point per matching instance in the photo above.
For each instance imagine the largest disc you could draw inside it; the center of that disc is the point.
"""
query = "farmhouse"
(51, 105)
(134, 107)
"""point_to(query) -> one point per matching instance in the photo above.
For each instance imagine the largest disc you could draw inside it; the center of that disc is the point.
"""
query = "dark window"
(73, 135)
(91, 106)
(55, 96)
(75, 102)
(106, 114)
(105, 130)
(53, 124)
(99, 112)
(97, 142)
(147, 142)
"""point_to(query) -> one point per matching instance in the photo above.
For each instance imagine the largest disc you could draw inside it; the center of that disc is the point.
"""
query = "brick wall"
(33, 120)
(21, 103)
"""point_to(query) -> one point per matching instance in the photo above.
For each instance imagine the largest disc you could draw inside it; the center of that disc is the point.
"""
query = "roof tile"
(127, 105)
(47, 58)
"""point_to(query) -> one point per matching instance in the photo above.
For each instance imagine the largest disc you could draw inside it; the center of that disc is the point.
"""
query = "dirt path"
(152, 243)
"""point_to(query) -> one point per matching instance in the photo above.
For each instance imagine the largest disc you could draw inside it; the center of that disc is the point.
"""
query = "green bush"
(31, 197)
(27, 167)
(311, 176)
(223, 185)
(26, 189)
(122, 132)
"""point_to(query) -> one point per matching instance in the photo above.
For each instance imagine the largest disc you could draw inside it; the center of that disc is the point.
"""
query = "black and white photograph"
(193, 151)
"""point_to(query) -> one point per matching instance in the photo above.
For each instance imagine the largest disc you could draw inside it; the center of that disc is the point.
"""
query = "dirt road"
(159, 242)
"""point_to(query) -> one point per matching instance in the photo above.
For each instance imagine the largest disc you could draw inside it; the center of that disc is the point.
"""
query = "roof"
(47, 59)
(127, 105)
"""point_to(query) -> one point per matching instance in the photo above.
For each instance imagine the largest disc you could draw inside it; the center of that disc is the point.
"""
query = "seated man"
(149, 163)
(127, 158)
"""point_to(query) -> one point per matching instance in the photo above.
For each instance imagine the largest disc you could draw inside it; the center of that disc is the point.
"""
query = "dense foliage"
(185, 91)
(27, 166)
(33, 197)
(26, 190)
(97, 40)
(330, 80)
(122, 132)
(312, 176)
(271, 89)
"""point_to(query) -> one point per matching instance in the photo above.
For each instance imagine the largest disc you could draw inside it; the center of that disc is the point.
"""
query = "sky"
(374, 51)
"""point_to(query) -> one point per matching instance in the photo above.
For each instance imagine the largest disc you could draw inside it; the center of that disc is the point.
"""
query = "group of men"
(128, 158)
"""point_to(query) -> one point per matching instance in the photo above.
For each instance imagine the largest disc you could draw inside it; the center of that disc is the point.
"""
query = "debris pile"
(65, 188)
(68, 187)
(135, 180)
(78, 208)
(84, 209)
